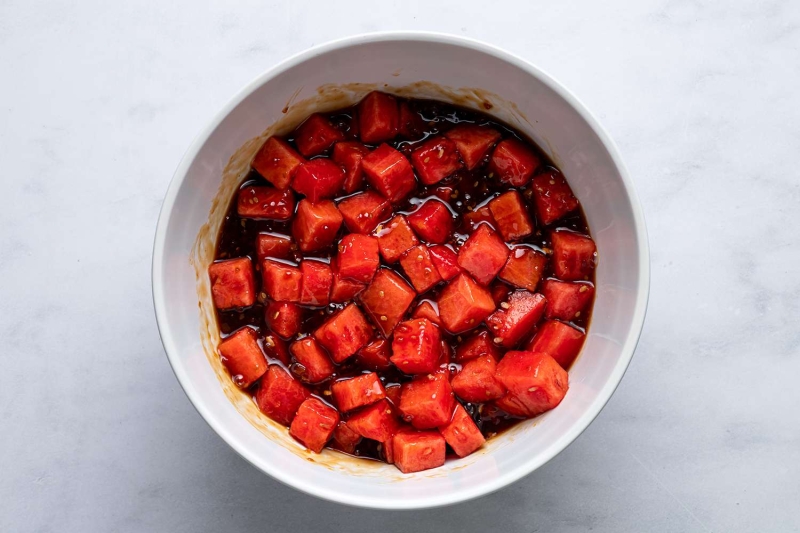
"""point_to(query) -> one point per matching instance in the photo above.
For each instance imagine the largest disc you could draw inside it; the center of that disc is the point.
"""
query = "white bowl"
(410, 64)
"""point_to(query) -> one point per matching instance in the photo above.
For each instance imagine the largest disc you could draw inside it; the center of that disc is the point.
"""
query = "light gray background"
(98, 103)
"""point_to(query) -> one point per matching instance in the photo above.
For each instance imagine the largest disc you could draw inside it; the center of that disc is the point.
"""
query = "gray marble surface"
(98, 102)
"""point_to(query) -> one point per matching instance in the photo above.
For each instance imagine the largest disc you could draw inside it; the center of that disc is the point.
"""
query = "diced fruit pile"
(402, 280)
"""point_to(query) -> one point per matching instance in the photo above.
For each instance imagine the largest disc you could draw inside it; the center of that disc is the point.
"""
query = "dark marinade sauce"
(468, 190)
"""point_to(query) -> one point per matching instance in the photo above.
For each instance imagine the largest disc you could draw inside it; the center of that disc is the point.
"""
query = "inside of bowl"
(466, 74)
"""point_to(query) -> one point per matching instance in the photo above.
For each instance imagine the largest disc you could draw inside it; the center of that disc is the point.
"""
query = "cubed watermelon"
(358, 257)
(418, 450)
(314, 365)
(378, 118)
(318, 179)
(565, 300)
(232, 283)
(478, 344)
(534, 380)
(316, 135)
(348, 155)
(314, 424)
(513, 163)
(283, 318)
(483, 255)
(432, 221)
(377, 421)
(435, 159)
(419, 268)
(242, 356)
(280, 395)
(344, 333)
(473, 142)
(524, 268)
(265, 202)
(445, 260)
(375, 355)
(345, 438)
(343, 290)
(428, 309)
(463, 304)
(393, 392)
(387, 299)
(500, 292)
(552, 196)
(281, 281)
(416, 346)
(362, 212)
(315, 225)
(558, 340)
(412, 126)
(511, 215)
(357, 392)
(476, 382)
(480, 216)
(396, 238)
(277, 162)
(389, 173)
(317, 281)
(461, 433)
(574, 255)
(273, 245)
(277, 348)
(516, 318)
(427, 400)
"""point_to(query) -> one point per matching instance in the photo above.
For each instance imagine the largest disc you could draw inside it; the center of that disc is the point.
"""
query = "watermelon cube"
(524, 268)
(377, 421)
(393, 393)
(348, 155)
(463, 304)
(387, 299)
(435, 159)
(378, 118)
(344, 333)
(396, 238)
(534, 380)
(552, 196)
(357, 392)
(432, 221)
(317, 281)
(511, 215)
(280, 395)
(358, 257)
(273, 245)
(478, 344)
(389, 173)
(513, 163)
(318, 179)
(516, 318)
(500, 292)
(277, 162)
(314, 365)
(345, 438)
(281, 281)
(416, 346)
(375, 355)
(362, 212)
(558, 340)
(411, 124)
(565, 300)
(343, 290)
(277, 348)
(232, 283)
(476, 383)
(242, 356)
(419, 268)
(574, 255)
(480, 216)
(461, 433)
(316, 224)
(427, 310)
(483, 255)
(427, 401)
(473, 142)
(316, 135)
(284, 318)
(418, 450)
(265, 202)
(314, 424)
(445, 260)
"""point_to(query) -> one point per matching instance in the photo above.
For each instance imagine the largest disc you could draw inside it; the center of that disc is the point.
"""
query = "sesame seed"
(326, 392)
(384, 318)
(498, 340)
(426, 159)
(419, 258)
(381, 293)
(471, 320)
(583, 288)
(475, 184)
(491, 174)
(441, 152)
(552, 182)
(276, 315)
(505, 305)
(269, 342)
(577, 314)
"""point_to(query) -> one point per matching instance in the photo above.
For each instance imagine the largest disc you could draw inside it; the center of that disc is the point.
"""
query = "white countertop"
(99, 102)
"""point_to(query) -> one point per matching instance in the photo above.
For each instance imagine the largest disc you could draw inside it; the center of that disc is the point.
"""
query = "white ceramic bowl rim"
(524, 468)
